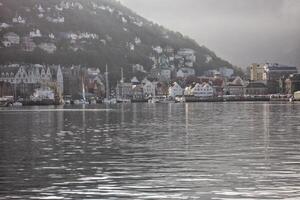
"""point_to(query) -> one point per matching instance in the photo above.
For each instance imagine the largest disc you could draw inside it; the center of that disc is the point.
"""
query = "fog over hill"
(241, 31)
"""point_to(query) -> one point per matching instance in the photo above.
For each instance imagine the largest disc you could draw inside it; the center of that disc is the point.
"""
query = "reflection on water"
(146, 151)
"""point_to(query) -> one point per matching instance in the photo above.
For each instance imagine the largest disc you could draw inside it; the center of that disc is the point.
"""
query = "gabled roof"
(6, 69)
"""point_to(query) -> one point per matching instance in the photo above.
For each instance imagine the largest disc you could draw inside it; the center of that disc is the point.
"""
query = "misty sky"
(240, 31)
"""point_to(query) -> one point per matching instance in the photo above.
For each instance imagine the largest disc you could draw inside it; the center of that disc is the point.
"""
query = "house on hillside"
(10, 38)
(185, 72)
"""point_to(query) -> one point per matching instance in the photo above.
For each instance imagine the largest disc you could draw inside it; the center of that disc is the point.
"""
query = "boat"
(6, 101)
(17, 104)
(3, 102)
(110, 101)
(160, 99)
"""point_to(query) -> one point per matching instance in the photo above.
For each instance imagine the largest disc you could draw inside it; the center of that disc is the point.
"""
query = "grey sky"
(241, 31)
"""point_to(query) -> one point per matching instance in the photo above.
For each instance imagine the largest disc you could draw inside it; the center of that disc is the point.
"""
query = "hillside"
(90, 33)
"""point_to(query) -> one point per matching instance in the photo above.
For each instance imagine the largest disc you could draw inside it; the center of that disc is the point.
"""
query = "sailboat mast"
(122, 81)
(107, 85)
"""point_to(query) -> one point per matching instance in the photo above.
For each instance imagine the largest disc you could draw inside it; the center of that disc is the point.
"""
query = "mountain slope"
(88, 32)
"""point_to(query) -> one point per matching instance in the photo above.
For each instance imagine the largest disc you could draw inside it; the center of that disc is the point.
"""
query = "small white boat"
(17, 104)
(110, 101)
(80, 102)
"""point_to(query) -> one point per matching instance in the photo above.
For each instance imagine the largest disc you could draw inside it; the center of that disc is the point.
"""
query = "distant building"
(256, 88)
(138, 68)
(148, 88)
(292, 84)
(235, 87)
(276, 71)
(26, 78)
(137, 92)
(6, 89)
(273, 73)
(124, 91)
(28, 44)
(199, 90)
(256, 72)
(18, 20)
(11, 38)
(35, 33)
(72, 80)
(175, 90)
(135, 81)
(187, 55)
(165, 75)
(185, 72)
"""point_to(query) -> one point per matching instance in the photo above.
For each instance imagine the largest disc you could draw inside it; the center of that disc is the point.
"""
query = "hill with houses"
(93, 33)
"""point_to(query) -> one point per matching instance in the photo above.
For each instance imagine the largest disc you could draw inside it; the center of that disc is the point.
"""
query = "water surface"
(151, 151)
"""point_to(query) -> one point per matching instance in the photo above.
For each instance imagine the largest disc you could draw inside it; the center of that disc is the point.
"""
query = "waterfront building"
(6, 89)
(124, 91)
(201, 90)
(175, 90)
(292, 84)
(148, 88)
(137, 92)
(72, 80)
(256, 88)
(235, 87)
(274, 71)
(26, 78)
(94, 82)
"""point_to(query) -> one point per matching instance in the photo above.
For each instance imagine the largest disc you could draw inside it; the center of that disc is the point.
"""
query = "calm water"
(145, 151)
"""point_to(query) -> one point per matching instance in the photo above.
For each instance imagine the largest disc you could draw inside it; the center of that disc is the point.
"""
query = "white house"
(48, 47)
(137, 40)
(148, 87)
(12, 38)
(5, 25)
(158, 49)
(202, 90)
(19, 20)
(185, 72)
(35, 33)
(175, 90)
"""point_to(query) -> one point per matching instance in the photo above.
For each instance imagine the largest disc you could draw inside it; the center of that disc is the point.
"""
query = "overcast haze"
(240, 31)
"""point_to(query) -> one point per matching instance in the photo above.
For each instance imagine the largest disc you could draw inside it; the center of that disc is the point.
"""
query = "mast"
(122, 75)
(83, 91)
(122, 81)
(107, 85)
